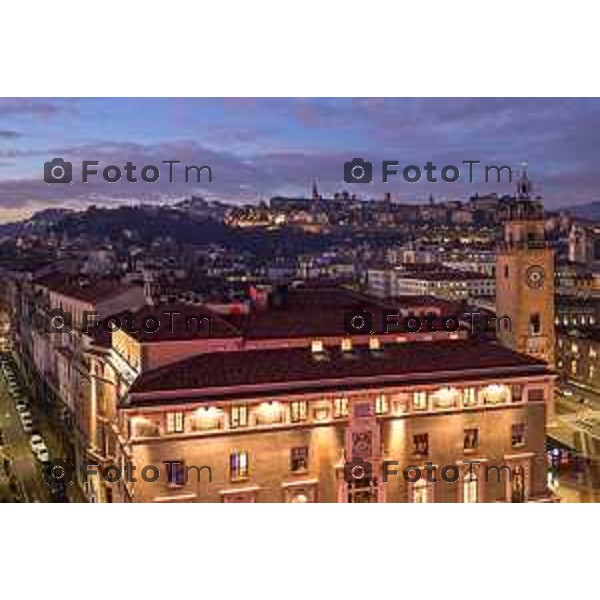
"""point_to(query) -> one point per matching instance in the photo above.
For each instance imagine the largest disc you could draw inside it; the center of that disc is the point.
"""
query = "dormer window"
(316, 346)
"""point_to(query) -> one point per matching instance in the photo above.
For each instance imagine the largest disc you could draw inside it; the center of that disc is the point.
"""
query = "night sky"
(258, 148)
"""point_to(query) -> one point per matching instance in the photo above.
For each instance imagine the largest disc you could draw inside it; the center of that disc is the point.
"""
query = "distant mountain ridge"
(185, 223)
(39, 222)
(590, 211)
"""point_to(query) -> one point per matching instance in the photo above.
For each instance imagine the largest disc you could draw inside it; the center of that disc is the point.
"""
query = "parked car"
(38, 447)
(25, 415)
(27, 424)
(42, 454)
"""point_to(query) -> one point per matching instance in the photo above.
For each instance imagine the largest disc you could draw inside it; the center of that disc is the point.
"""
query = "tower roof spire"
(315, 191)
(524, 185)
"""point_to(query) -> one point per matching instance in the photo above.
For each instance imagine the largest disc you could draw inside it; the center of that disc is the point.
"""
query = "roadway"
(22, 481)
(576, 473)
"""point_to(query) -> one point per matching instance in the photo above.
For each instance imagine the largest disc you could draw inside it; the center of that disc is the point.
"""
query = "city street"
(26, 471)
(575, 441)
(23, 480)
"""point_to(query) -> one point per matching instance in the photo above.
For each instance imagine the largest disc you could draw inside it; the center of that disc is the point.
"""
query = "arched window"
(518, 484)
(420, 492)
(470, 488)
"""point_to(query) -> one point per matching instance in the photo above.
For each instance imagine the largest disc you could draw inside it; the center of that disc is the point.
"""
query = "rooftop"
(271, 371)
(84, 289)
(320, 313)
(178, 323)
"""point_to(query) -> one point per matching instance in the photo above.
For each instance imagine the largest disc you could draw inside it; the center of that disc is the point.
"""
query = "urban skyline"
(261, 147)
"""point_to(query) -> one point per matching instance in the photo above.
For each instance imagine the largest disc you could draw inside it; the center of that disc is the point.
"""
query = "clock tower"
(525, 278)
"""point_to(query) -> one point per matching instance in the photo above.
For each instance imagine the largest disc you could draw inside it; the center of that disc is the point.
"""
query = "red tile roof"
(186, 322)
(80, 288)
(320, 313)
(221, 374)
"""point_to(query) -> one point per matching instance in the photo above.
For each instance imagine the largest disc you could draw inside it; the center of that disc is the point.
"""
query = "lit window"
(316, 346)
(299, 459)
(239, 416)
(573, 367)
(346, 345)
(238, 465)
(470, 491)
(175, 473)
(298, 410)
(591, 372)
(518, 485)
(471, 439)
(174, 422)
(420, 400)
(420, 492)
(374, 344)
(421, 444)
(469, 396)
(593, 353)
(340, 408)
(518, 435)
(381, 404)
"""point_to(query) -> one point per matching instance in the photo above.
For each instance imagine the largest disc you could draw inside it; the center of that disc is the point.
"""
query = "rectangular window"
(470, 492)
(518, 435)
(517, 393)
(175, 422)
(469, 396)
(175, 472)
(535, 395)
(420, 492)
(299, 459)
(239, 416)
(535, 324)
(298, 411)
(340, 408)
(420, 400)
(381, 404)
(238, 465)
(471, 439)
(421, 444)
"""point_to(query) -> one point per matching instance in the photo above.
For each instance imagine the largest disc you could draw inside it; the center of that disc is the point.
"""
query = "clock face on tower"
(535, 276)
